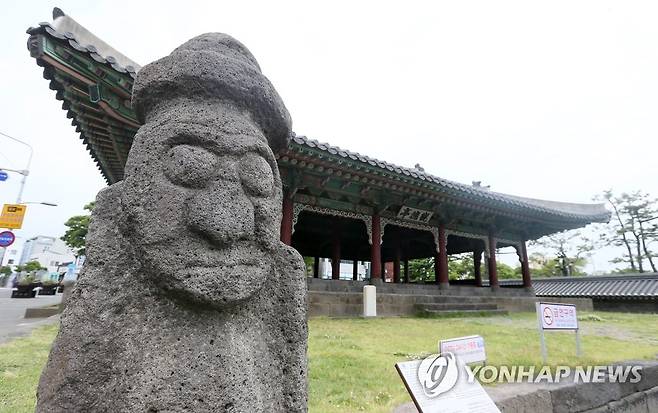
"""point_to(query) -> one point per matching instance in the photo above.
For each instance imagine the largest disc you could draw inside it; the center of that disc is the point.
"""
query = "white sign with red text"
(469, 349)
(556, 316)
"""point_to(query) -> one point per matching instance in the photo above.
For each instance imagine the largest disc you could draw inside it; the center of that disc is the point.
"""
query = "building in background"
(11, 255)
(50, 252)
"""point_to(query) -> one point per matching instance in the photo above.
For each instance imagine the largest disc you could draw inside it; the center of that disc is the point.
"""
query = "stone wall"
(337, 298)
(584, 397)
(626, 306)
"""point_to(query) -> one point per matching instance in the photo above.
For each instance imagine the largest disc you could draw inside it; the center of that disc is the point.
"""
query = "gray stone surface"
(188, 300)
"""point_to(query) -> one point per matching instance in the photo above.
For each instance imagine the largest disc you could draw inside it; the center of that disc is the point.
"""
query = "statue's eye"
(190, 166)
(256, 175)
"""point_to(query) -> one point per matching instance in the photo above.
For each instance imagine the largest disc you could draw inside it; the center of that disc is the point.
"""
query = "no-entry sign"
(7, 238)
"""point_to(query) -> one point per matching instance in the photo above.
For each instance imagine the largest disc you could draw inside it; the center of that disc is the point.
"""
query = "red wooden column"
(316, 267)
(376, 250)
(493, 271)
(335, 253)
(286, 221)
(396, 266)
(525, 266)
(355, 270)
(477, 266)
(443, 258)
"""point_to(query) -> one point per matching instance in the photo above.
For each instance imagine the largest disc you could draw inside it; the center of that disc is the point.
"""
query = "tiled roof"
(585, 212)
(636, 286)
(111, 155)
(65, 28)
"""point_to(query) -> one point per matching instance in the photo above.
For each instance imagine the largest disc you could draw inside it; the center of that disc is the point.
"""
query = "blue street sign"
(3, 176)
(7, 238)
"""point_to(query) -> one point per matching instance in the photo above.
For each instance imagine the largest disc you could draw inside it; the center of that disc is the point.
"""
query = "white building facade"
(50, 252)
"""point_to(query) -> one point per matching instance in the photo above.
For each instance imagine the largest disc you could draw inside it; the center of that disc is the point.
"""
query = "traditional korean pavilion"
(338, 204)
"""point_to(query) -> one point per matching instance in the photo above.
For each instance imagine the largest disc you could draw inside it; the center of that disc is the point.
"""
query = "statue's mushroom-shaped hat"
(214, 66)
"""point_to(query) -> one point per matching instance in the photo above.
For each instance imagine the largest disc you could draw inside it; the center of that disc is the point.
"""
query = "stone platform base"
(345, 299)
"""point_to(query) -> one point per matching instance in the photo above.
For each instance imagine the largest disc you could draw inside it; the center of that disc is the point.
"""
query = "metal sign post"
(556, 316)
(542, 339)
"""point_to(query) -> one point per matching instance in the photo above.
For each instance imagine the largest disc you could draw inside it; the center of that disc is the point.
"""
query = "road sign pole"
(27, 169)
(542, 340)
(579, 351)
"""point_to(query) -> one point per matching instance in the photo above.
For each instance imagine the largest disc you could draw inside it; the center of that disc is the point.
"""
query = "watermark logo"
(559, 374)
(438, 374)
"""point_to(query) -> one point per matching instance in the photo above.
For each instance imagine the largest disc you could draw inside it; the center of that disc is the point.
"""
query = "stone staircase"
(456, 306)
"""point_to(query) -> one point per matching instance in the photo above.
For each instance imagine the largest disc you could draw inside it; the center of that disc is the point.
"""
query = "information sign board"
(12, 216)
(462, 396)
(556, 316)
(469, 349)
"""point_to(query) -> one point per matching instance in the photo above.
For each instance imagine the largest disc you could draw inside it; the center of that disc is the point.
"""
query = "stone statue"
(188, 300)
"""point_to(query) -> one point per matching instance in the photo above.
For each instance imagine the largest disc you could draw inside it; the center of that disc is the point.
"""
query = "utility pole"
(24, 172)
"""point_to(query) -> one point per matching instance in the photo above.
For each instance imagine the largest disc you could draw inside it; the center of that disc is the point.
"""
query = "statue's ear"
(104, 240)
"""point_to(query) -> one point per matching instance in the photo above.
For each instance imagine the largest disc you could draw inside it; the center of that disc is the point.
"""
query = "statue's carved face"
(202, 199)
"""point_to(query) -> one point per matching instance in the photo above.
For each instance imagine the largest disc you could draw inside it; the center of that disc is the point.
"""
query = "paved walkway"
(12, 312)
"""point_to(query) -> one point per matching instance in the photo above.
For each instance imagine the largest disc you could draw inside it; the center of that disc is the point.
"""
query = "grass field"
(351, 360)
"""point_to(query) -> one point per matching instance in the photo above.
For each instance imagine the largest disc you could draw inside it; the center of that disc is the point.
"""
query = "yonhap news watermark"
(556, 374)
(438, 374)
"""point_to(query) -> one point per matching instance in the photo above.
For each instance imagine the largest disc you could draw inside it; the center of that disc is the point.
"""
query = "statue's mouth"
(235, 255)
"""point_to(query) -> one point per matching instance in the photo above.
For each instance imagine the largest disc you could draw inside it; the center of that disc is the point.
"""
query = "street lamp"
(40, 203)
(24, 172)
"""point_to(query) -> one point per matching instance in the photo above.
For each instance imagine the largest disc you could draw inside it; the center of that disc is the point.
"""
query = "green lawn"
(351, 360)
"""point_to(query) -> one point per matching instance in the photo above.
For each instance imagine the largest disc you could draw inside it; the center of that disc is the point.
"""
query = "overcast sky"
(555, 100)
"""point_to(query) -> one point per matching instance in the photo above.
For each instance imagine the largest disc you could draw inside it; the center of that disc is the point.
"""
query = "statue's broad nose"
(222, 213)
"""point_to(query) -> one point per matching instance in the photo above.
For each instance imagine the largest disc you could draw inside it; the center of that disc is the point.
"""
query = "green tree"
(5, 272)
(309, 262)
(507, 272)
(421, 269)
(569, 249)
(32, 266)
(460, 267)
(76, 234)
(634, 226)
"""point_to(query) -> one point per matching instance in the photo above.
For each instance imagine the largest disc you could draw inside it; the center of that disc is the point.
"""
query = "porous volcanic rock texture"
(188, 301)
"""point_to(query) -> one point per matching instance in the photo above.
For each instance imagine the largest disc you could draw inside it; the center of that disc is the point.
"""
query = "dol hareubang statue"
(188, 300)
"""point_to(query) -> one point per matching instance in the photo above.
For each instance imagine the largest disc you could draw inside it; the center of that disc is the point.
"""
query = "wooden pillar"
(316, 267)
(376, 250)
(335, 253)
(525, 266)
(286, 221)
(443, 258)
(406, 271)
(396, 264)
(397, 256)
(355, 270)
(493, 271)
(477, 267)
